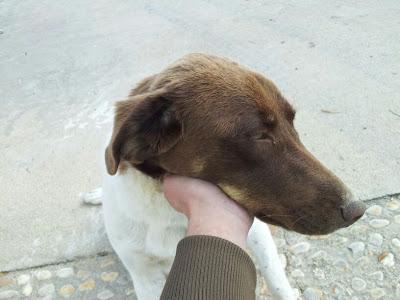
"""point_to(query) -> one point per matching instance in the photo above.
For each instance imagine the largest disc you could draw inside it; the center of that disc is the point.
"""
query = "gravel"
(355, 263)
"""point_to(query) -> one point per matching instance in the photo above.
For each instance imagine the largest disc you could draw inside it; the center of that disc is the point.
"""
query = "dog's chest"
(138, 218)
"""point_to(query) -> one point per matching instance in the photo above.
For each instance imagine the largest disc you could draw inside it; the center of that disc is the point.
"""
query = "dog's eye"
(262, 136)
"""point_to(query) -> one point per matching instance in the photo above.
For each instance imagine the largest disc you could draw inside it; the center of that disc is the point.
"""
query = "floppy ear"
(144, 127)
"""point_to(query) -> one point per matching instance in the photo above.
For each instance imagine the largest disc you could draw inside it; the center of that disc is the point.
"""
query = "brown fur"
(210, 118)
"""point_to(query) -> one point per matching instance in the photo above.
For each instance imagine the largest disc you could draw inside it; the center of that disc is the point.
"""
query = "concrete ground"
(64, 63)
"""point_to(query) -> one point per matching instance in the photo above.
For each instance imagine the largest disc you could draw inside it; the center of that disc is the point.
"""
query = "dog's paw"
(92, 198)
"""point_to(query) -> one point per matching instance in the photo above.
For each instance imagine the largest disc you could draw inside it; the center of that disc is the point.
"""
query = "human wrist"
(223, 226)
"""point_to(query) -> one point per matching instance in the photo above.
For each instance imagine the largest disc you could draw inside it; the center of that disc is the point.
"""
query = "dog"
(210, 118)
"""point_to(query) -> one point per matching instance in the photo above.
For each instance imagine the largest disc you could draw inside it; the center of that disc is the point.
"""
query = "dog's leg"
(263, 247)
(93, 197)
(148, 276)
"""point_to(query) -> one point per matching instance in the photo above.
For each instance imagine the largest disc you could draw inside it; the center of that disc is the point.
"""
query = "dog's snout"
(352, 211)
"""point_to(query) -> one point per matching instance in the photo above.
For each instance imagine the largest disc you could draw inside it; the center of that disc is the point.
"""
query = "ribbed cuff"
(208, 267)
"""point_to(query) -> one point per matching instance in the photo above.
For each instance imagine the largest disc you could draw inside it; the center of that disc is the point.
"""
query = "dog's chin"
(302, 226)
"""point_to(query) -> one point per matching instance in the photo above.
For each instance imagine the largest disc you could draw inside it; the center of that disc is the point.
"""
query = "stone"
(291, 238)
(375, 239)
(129, 291)
(320, 255)
(393, 204)
(9, 294)
(377, 293)
(301, 247)
(262, 287)
(374, 210)
(378, 275)
(283, 260)
(363, 261)
(319, 237)
(312, 294)
(83, 274)
(296, 261)
(338, 290)
(358, 284)
(397, 219)
(109, 276)
(297, 273)
(280, 242)
(89, 284)
(27, 290)
(387, 259)
(318, 273)
(379, 223)
(104, 295)
(23, 279)
(107, 263)
(341, 264)
(6, 281)
(42, 274)
(357, 247)
(396, 242)
(46, 290)
(397, 292)
(66, 290)
(65, 272)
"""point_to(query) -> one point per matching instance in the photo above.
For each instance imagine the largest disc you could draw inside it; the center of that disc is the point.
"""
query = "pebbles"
(312, 294)
(65, 272)
(87, 285)
(397, 219)
(66, 290)
(393, 204)
(374, 210)
(5, 281)
(9, 294)
(396, 242)
(358, 284)
(386, 259)
(46, 290)
(377, 293)
(299, 248)
(23, 279)
(378, 275)
(109, 276)
(42, 274)
(104, 295)
(379, 223)
(357, 247)
(375, 239)
(297, 273)
(27, 290)
(360, 262)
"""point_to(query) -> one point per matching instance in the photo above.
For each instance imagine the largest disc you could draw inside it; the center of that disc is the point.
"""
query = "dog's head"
(210, 118)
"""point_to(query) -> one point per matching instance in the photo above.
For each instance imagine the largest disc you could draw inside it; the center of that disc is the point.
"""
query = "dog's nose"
(353, 211)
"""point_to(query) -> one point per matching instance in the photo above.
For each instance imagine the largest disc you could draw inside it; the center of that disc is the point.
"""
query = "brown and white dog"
(210, 118)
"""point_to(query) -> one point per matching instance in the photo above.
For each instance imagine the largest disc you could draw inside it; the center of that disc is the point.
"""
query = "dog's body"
(210, 118)
(144, 230)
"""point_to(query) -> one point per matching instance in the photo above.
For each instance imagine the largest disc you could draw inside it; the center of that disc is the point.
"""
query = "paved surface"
(362, 262)
(63, 63)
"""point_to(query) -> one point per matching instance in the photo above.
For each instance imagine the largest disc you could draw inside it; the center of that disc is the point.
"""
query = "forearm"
(208, 267)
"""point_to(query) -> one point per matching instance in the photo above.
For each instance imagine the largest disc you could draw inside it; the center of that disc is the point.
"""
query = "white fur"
(144, 231)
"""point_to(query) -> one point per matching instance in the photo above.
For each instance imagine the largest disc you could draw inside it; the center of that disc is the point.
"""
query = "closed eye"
(263, 136)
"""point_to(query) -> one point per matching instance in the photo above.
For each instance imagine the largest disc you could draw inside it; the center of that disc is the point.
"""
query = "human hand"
(208, 209)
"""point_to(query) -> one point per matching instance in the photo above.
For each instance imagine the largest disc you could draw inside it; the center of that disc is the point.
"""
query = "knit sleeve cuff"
(208, 267)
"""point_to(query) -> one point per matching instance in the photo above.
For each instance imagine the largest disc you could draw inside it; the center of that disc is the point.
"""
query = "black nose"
(353, 211)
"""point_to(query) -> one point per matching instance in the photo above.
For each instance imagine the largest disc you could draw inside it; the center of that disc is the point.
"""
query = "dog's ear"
(144, 127)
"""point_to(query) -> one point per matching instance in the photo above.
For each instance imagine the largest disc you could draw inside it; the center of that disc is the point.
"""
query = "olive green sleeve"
(207, 267)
